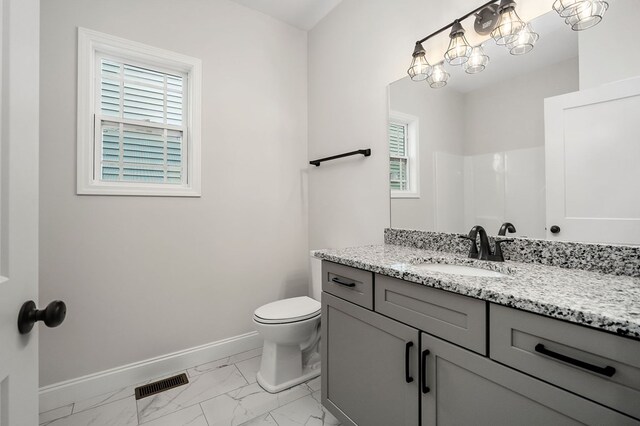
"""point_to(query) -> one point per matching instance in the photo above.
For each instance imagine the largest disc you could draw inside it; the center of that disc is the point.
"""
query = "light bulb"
(459, 49)
(438, 77)
(477, 61)
(509, 23)
(524, 41)
(587, 15)
(419, 69)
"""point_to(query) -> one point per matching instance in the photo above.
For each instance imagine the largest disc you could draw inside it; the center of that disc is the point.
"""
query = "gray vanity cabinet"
(401, 354)
(467, 389)
(369, 366)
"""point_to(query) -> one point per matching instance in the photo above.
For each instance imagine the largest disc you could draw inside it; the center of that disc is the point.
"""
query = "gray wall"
(143, 277)
(515, 119)
(609, 51)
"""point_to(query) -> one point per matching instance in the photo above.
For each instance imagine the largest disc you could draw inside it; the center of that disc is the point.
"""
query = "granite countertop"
(597, 300)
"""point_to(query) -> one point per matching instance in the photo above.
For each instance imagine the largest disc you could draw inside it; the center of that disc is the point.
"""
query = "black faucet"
(485, 249)
(484, 252)
(506, 227)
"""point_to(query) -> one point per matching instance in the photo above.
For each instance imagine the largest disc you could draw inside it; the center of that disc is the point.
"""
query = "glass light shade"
(439, 76)
(419, 69)
(587, 15)
(524, 41)
(509, 24)
(459, 49)
(568, 7)
(477, 61)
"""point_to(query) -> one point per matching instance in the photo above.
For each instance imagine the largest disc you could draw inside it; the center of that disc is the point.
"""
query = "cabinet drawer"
(571, 356)
(468, 389)
(453, 317)
(354, 285)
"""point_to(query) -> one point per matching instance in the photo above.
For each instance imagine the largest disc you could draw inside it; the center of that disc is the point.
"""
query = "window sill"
(139, 190)
(403, 194)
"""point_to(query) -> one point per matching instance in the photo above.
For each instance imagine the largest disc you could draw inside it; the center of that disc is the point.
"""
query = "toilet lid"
(288, 310)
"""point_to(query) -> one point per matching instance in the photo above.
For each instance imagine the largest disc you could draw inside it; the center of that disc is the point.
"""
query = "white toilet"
(291, 332)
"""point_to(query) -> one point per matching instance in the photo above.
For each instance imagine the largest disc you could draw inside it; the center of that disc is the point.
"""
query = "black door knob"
(555, 229)
(52, 315)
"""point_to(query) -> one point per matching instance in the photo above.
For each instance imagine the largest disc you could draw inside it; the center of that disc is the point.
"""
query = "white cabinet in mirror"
(493, 146)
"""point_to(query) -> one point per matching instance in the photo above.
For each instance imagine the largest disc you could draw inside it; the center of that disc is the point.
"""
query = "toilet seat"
(287, 311)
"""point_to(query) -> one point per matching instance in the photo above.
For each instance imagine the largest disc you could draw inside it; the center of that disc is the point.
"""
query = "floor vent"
(161, 386)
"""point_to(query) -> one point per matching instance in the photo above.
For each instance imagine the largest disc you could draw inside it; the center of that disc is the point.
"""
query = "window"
(138, 119)
(403, 155)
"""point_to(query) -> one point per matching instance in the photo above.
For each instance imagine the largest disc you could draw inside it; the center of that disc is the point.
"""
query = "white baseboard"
(63, 393)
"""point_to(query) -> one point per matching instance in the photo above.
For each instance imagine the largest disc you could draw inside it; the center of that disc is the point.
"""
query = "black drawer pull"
(605, 371)
(425, 354)
(407, 375)
(337, 281)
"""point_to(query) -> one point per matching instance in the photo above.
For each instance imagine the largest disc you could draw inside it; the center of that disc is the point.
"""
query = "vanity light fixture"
(524, 41)
(477, 61)
(566, 8)
(509, 23)
(586, 15)
(419, 69)
(459, 50)
(502, 23)
(438, 77)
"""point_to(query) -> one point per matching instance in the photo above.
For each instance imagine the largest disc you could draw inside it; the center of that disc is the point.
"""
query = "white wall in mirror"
(482, 138)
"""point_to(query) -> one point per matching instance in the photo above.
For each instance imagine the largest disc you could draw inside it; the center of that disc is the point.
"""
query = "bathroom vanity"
(528, 343)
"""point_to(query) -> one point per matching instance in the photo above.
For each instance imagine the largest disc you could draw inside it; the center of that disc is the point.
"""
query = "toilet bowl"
(291, 332)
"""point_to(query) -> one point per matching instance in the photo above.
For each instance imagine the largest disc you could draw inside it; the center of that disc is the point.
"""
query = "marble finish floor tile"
(200, 388)
(223, 362)
(249, 368)
(51, 415)
(266, 420)
(115, 395)
(305, 411)
(105, 398)
(192, 416)
(241, 405)
(118, 413)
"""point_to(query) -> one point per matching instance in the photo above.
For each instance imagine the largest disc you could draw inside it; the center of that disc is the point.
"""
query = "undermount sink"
(459, 270)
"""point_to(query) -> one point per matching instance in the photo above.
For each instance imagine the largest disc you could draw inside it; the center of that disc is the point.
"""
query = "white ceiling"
(304, 14)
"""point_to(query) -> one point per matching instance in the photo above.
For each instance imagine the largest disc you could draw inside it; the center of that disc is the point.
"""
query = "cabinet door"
(467, 389)
(369, 366)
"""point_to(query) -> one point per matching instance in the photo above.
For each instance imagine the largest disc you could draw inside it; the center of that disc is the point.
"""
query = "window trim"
(91, 45)
(413, 175)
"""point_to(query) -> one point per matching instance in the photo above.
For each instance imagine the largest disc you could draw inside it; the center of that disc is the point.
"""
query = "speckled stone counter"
(602, 301)
(605, 258)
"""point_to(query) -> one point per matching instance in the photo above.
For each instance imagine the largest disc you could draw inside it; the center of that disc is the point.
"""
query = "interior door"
(592, 156)
(19, 70)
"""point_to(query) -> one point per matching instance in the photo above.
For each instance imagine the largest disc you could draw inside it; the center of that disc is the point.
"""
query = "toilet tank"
(315, 268)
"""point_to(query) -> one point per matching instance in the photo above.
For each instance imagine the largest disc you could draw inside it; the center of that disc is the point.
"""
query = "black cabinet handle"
(554, 229)
(425, 354)
(337, 281)
(605, 371)
(407, 375)
(52, 316)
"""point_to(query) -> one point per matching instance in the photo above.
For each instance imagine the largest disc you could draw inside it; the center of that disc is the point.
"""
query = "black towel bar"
(365, 152)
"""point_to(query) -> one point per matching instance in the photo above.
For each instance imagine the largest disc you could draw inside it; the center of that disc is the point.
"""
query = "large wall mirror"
(519, 142)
